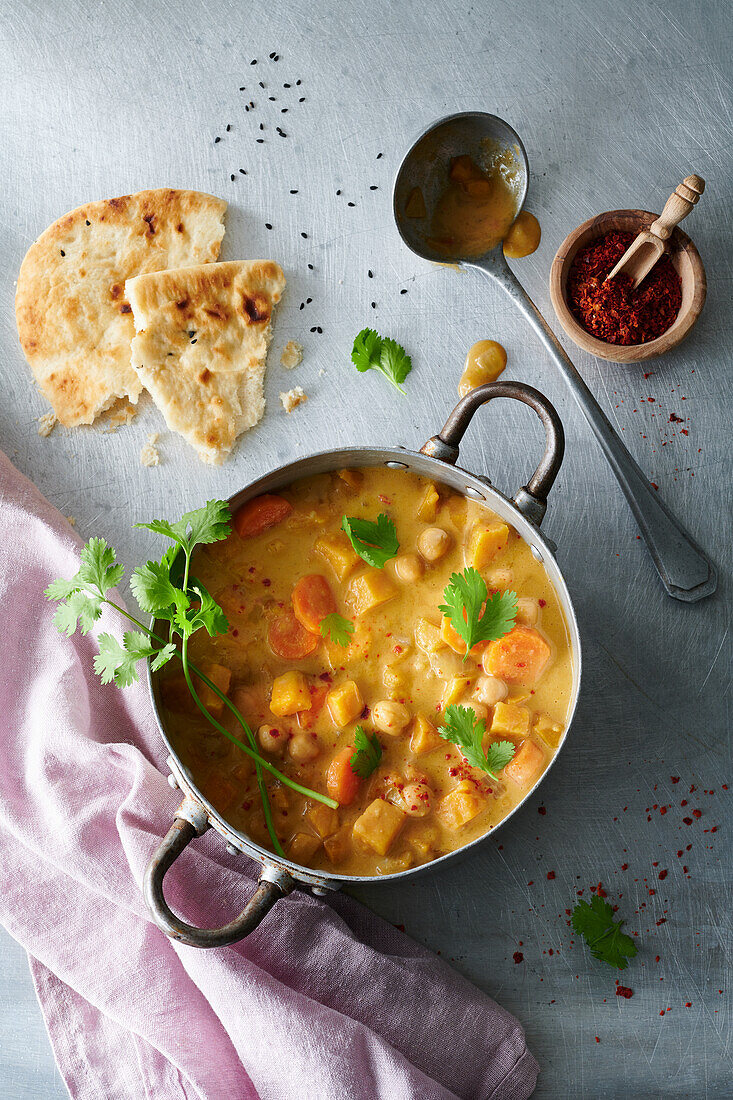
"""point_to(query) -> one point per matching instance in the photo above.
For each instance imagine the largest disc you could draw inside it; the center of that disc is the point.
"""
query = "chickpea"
(416, 798)
(499, 578)
(303, 748)
(271, 739)
(528, 610)
(409, 568)
(433, 543)
(390, 717)
(490, 689)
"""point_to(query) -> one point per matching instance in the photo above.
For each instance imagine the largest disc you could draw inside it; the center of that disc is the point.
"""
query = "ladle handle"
(685, 571)
(678, 206)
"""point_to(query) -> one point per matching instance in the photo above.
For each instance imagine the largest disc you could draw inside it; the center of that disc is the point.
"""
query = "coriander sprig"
(464, 730)
(474, 615)
(376, 542)
(367, 753)
(373, 352)
(602, 933)
(167, 591)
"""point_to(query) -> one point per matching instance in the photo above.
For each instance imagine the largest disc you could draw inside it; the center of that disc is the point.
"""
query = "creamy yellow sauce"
(476, 209)
(388, 662)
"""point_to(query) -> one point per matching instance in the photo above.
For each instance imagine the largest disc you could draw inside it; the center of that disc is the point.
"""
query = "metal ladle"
(685, 571)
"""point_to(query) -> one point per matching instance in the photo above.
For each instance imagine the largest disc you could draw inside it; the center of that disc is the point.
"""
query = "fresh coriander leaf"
(208, 614)
(464, 731)
(163, 656)
(376, 542)
(60, 589)
(367, 349)
(371, 352)
(367, 753)
(337, 628)
(602, 933)
(212, 523)
(168, 530)
(118, 662)
(473, 614)
(152, 588)
(98, 568)
(81, 609)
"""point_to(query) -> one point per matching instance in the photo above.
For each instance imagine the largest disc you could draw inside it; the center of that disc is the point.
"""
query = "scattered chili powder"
(624, 991)
(518, 957)
(613, 311)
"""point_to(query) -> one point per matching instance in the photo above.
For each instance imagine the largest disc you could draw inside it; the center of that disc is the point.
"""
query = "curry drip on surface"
(288, 567)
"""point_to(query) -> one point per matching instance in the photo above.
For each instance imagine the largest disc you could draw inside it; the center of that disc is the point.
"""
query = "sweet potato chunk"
(290, 694)
(370, 589)
(338, 552)
(525, 764)
(338, 846)
(510, 719)
(344, 703)
(428, 637)
(454, 689)
(428, 507)
(303, 847)
(424, 737)
(549, 731)
(461, 805)
(486, 541)
(219, 675)
(324, 819)
(519, 657)
(379, 825)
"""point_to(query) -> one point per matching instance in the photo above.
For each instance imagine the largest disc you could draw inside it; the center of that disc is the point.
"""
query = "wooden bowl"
(683, 255)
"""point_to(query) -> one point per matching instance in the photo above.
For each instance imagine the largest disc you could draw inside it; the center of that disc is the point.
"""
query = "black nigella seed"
(252, 104)
(374, 187)
(298, 83)
(319, 329)
(192, 332)
(262, 126)
(351, 204)
(260, 141)
(374, 305)
(272, 99)
(379, 156)
(302, 305)
(286, 85)
(246, 108)
(243, 88)
(254, 62)
(62, 252)
(294, 192)
(228, 127)
(193, 341)
(308, 301)
(403, 291)
(302, 99)
(276, 57)
(310, 267)
(217, 140)
(281, 132)
(339, 191)
(370, 274)
(261, 84)
(242, 172)
(88, 222)
(304, 236)
(283, 110)
(271, 55)
(232, 177)
(313, 329)
(267, 225)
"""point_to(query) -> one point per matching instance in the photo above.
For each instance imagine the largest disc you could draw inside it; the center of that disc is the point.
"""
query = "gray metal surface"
(615, 102)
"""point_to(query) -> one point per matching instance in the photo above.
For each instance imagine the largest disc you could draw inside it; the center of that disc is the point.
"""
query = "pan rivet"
(396, 465)
(536, 554)
(320, 891)
(232, 850)
(173, 782)
(473, 493)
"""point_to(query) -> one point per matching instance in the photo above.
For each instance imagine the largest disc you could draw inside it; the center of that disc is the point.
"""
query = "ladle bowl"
(685, 570)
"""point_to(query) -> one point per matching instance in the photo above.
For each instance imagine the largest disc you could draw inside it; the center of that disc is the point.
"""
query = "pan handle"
(531, 500)
(191, 821)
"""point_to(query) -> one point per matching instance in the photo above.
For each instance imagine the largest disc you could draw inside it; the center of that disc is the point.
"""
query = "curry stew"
(304, 694)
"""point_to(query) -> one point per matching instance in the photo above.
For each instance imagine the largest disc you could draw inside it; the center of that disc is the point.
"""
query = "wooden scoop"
(642, 254)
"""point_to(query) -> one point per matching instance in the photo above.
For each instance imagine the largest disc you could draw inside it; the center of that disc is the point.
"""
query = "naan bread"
(203, 334)
(74, 323)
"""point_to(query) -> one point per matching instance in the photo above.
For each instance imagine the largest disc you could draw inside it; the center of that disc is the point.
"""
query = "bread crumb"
(293, 398)
(153, 437)
(149, 455)
(292, 355)
(46, 424)
(71, 520)
(321, 373)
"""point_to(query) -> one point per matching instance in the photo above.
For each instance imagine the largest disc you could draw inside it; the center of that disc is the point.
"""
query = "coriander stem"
(305, 791)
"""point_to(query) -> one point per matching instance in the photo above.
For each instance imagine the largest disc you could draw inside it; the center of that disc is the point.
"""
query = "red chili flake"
(683, 802)
(518, 957)
(541, 810)
(550, 875)
(663, 874)
(661, 1012)
(688, 1004)
(687, 820)
(624, 991)
(697, 813)
(542, 603)
(674, 419)
(614, 311)
(597, 1039)
(674, 778)
(267, 582)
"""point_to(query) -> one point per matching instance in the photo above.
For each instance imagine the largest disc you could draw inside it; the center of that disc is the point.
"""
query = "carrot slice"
(258, 514)
(342, 782)
(312, 601)
(289, 639)
(520, 656)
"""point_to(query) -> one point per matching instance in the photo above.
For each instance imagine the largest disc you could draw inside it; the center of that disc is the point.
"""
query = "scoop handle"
(678, 206)
(684, 569)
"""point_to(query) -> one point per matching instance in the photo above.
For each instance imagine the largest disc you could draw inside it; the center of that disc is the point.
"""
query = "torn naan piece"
(74, 321)
(201, 345)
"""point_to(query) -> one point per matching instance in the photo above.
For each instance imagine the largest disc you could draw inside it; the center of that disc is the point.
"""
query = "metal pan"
(435, 460)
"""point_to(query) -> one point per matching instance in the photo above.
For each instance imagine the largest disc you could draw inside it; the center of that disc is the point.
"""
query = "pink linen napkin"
(324, 1000)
